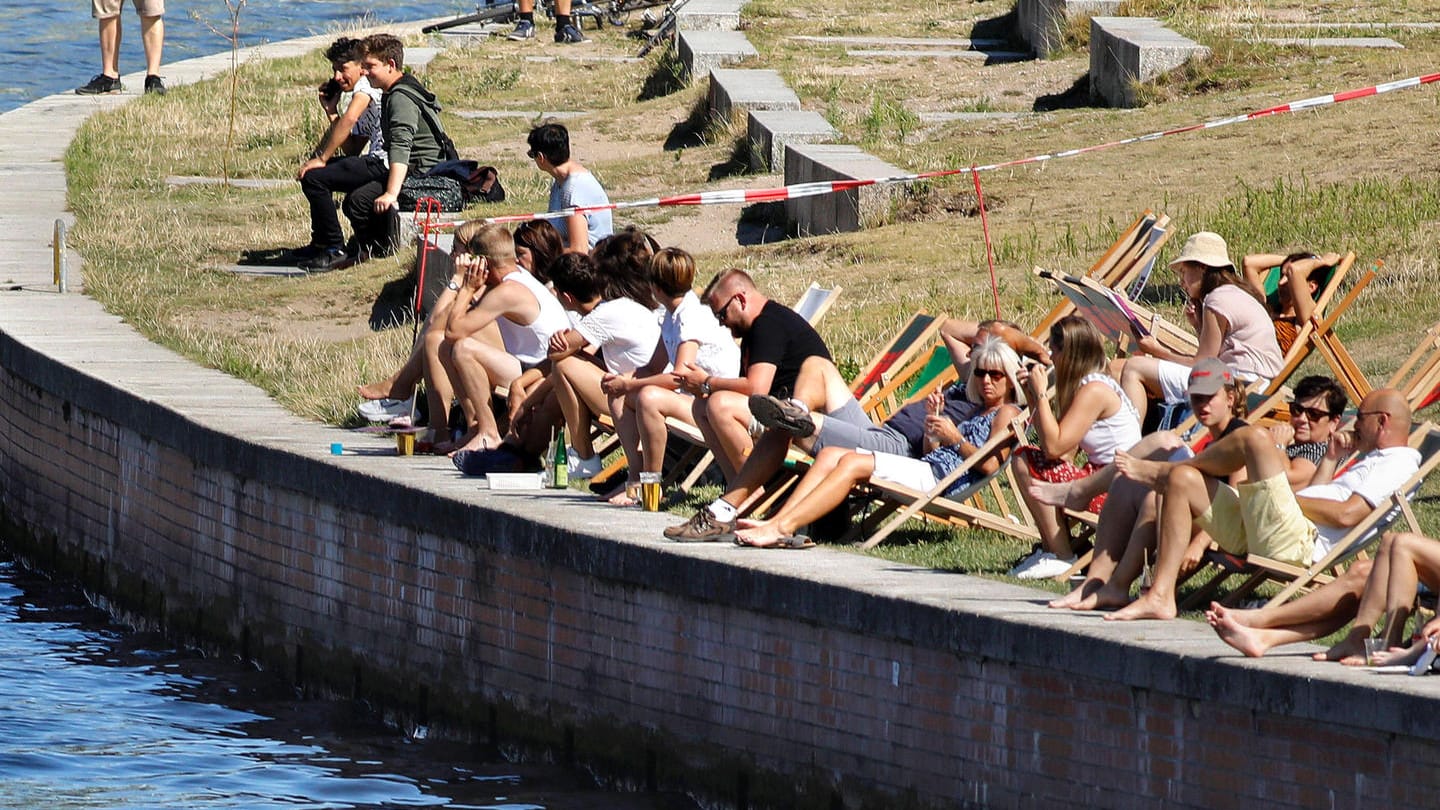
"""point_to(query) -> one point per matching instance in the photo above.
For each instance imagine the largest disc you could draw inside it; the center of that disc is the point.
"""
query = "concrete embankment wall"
(758, 679)
(816, 679)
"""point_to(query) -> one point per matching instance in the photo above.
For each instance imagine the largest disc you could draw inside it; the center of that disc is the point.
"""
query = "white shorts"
(911, 473)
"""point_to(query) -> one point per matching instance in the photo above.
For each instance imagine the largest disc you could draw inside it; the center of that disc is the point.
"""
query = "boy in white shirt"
(627, 335)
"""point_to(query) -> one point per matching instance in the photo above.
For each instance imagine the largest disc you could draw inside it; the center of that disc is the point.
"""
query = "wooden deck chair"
(1130, 258)
(914, 336)
(1418, 378)
(902, 503)
(916, 379)
(1426, 439)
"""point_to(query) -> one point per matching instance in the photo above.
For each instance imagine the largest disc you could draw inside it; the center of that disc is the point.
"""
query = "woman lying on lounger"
(992, 385)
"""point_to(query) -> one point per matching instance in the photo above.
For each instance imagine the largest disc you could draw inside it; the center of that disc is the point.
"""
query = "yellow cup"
(650, 492)
(404, 444)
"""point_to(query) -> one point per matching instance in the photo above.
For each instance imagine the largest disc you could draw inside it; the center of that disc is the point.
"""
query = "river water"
(93, 715)
(51, 46)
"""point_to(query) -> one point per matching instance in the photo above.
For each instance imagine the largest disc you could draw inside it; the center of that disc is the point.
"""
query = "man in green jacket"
(410, 121)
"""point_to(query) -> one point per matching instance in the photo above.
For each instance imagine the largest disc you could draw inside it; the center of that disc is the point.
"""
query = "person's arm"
(1256, 267)
(654, 372)
(1212, 334)
(565, 343)
(577, 233)
(503, 300)
(335, 137)
(399, 130)
(1340, 514)
(1300, 292)
(1061, 437)
(949, 435)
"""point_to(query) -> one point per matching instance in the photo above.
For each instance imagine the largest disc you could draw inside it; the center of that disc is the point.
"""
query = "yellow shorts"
(1262, 517)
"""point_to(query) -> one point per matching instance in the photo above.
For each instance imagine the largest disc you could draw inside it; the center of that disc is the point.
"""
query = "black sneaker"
(154, 85)
(782, 415)
(569, 35)
(702, 528)
(333, 259)
(100, 85)
(306, 253)
(524, 30)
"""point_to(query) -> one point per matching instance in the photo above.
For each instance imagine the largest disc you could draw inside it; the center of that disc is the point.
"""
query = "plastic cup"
(650, 492)
(337, 449)
(1372, 647)
(404, 444)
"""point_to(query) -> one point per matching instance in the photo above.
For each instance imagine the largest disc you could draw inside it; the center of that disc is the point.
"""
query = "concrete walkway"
(76, 330)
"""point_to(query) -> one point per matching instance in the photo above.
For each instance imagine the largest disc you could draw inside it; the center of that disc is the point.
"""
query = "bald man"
(1264, 514)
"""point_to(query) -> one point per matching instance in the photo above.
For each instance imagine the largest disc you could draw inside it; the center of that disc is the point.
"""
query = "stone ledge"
(1041, 23)
(769, 131)
(734, 92)
(1125, 51)
(709, 15)
(844, 211)
(703, 51)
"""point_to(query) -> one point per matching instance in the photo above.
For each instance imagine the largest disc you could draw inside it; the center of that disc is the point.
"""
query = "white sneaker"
(1041, 565)
(581, 469)
(383, 410)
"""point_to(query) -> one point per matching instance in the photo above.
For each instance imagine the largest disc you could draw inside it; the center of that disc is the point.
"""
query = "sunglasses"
(1312, 414)
(992, 373)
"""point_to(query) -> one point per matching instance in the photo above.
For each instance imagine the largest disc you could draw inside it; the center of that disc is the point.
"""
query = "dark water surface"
(51, 47)
(95, 716)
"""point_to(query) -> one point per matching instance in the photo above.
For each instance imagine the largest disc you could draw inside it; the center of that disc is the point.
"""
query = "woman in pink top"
(1229, 314)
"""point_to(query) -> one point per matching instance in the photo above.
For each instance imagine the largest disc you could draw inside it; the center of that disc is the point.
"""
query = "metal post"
(62, 280)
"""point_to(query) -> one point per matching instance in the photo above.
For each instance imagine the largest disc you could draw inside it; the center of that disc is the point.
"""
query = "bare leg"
(110, 46)
(477, 367)
(1078, 494)
(1187, 496)
(820, 386)
(724, 420)
(1140, 379)
(652, 404)
(628, 429)
(401, 384)
(577, 386)
(1047, 518)
(152, 34)
(1251, 448)
(764, 461)
(438, 389)
(1126, 519)
(817, 495)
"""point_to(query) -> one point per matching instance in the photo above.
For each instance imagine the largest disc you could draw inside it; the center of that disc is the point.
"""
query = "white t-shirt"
(625, 331)
(1374, 477)
(369, 124)
(530, 343)
(719, 354)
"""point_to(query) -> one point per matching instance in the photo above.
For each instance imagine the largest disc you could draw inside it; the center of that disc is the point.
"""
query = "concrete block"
(844, 211)
(1127, 50)
(1041, 23)
(703, 51)
(768, 132)
(734, 92)
(1336, 42)
(709, 15)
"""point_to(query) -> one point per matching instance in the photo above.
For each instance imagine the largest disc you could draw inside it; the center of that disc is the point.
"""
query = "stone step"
(991, 57)
(1335, 42)
(735, 91)
(1127, 50)
(902, 42)
(942, 117)
(703, 51)
(1041, 23)
(709, 15)
(769, 132)
(844, 211)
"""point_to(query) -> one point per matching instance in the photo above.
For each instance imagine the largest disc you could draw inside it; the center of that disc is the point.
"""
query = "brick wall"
(818, 680)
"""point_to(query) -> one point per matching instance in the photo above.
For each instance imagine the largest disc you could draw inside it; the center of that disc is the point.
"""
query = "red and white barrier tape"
(801, 190)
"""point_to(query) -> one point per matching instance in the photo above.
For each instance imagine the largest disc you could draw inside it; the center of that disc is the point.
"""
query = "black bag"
(444, 189)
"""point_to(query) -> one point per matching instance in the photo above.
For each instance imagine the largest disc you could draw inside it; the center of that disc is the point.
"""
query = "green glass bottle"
(560, 475)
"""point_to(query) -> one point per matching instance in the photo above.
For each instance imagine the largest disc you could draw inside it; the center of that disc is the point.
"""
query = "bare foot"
(749, 523)
(1108, 597)
(1349, 651)
(1142, 471)
(1070, 600)
(627, 495)
(385, 389)
(1236, 615)
(1048, 493)
(761, 536)
(1146, 607)
(1247, 640)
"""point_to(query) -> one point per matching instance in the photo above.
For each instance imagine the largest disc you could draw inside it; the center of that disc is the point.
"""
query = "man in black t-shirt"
(781, 355)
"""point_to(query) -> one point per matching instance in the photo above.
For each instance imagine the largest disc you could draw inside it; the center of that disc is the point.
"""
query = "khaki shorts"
(102, 9)
(1263, 518)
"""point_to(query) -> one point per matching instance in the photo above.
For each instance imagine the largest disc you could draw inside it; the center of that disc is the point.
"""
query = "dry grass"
(1354, 176)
